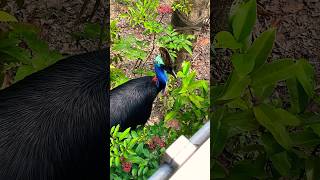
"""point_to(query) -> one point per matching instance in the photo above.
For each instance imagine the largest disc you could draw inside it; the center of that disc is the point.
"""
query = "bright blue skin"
(160, 72)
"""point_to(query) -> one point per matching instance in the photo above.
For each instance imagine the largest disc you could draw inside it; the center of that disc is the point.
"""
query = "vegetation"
(266, 135)
(135, 154)
(21, 49)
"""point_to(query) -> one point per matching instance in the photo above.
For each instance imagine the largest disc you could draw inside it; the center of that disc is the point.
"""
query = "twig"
(153, 39)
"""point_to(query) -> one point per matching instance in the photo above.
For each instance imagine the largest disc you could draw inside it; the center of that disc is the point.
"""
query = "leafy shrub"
(135, 154)
(188, 101)
(183, 6)
(141, 11)
(21, 48)
(274, 134)
(174, 41)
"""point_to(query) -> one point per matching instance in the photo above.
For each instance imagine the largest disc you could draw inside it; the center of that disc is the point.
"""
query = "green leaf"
(268, 118)
(305, 75)
(220, 133)
(195, 101)
(124, 134)
(240, 121)
(273, 72)
(225, 39)
(244, 20)
(6, 17)
(170, 115)
(235, 86)
(242, 64)
(23, 71)
(286, 118)
(261, 48)
(298, 97)
(281, 162)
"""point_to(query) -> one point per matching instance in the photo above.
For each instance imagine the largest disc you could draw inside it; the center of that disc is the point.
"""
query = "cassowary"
(131, 102)
(53, 123)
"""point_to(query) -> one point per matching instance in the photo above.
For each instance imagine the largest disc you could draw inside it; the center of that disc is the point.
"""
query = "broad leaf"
(271, 73)
(235, 86)
(261, 48)
(305, 75)
(244, 20)
(268, 118)
(242, 64)
(225, 39)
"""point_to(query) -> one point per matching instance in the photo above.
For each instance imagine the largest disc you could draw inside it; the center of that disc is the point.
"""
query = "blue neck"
(161, 75)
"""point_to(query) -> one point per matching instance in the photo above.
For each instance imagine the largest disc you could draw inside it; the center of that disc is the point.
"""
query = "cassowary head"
(162, 66)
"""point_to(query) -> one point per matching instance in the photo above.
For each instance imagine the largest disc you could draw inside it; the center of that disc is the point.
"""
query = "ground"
(58, 19)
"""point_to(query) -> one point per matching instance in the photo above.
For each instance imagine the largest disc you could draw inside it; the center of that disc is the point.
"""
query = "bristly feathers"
(53, 123)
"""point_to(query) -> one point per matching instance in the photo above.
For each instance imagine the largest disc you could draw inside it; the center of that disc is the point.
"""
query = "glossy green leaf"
(268, 118)
(241, 121)
(225, 39)
(235, 86)
(244, 20)
(273, 72)
(124, 134)
(261, 48)
(305, 75)
(242, 64)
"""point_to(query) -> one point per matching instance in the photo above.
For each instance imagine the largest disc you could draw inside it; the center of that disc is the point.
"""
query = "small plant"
(188, 102)
(174, 41)
(275, 136)
(183, 6)
(141, 11)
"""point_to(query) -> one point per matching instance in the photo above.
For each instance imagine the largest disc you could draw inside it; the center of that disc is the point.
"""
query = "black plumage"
(53, 123)
(131, 102)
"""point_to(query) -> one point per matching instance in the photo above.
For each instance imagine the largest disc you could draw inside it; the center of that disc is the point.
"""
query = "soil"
(57, 20)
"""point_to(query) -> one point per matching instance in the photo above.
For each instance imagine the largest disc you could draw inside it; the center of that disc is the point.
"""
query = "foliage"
(117, 77)
(135, 154)
(174, 41)
(188, 102)
(280, 141)
(183, 6)
(92, 31)
(129, 47)
(21, 48)
(141, 11)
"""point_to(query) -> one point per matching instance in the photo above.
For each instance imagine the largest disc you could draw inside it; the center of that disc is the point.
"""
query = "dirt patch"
(58, 19)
